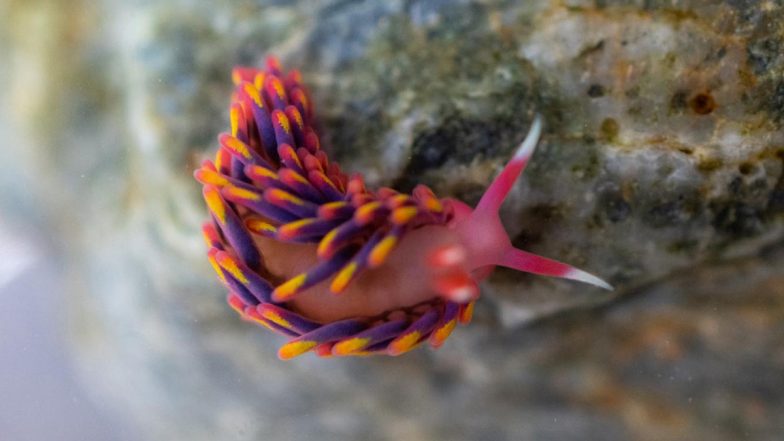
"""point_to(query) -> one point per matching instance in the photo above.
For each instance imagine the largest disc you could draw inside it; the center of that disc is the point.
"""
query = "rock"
(661, 169)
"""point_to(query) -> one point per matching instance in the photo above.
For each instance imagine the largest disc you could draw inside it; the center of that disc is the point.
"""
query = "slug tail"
(494, 196)
(531, 263)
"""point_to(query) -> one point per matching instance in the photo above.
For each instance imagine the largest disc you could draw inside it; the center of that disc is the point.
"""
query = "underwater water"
(37, 372)
(660, 169)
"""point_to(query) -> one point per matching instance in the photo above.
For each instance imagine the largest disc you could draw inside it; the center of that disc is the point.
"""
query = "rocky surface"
(661, 169)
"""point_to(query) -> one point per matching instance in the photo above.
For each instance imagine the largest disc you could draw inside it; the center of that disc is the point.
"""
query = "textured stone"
(661, 169)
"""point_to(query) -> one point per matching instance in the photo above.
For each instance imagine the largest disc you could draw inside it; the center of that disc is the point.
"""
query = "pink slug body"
(312, 254)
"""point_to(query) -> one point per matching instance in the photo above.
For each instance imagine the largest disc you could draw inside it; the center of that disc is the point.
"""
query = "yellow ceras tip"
(398, 200)
(345, 275)
(295, 348)
(241, 193)
(467, 312)
(289, 288)
(349, 346)
(258, 80)
(380, 252)
(282, 195)
(274, 317)
(216, 266)
(211, 177)
(402, 215)
(291, 229)
(256, 318)
(219, 158)
(303, 99)
(296, 176)
(262, 171)
(290, 153)
(234, 120)
(215, 204)
(257, 225)
(278, 86)
(209, 238)
(238, 146)
(227, 263)
(283, 120)
(365, 212)
(298, 119)
(253, 93)
(404, 343)
(325, 245)
(236, 77)
(329, 209)
(325, 179)
(433, 204)
(440, 335)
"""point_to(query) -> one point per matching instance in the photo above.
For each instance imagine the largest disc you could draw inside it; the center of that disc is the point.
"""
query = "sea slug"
(311, 253)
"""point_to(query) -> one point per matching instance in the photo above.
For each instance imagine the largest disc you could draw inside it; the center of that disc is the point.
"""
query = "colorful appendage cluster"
(270, 181)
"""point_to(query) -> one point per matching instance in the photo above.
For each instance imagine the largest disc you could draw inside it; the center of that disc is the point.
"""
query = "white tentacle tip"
(526, 148)
(582, 276)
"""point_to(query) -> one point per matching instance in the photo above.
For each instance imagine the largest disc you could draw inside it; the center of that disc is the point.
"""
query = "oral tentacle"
(532, 263)
(449, 277)
(456, 287)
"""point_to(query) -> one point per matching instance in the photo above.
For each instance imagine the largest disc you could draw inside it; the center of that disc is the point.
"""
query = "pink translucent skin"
(408, 277)
(403, 280)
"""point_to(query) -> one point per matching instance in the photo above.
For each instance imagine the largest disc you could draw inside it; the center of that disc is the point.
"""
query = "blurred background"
(661, 170)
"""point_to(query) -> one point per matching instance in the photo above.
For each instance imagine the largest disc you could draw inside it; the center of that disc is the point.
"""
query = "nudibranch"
(314, 255)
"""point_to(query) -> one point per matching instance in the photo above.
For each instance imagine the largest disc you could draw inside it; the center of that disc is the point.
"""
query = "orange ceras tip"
(335, 267)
